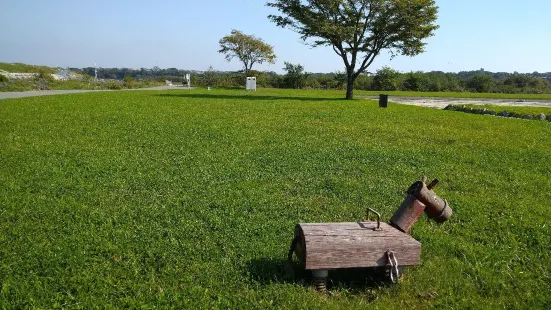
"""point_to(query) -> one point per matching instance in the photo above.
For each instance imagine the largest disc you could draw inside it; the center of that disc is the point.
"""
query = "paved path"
(21, 94)
(440, 103)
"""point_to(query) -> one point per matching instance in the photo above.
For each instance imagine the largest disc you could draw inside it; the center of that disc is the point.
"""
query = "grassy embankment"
(24, 68)
(189, 199)
(33, 85)
(16, 85)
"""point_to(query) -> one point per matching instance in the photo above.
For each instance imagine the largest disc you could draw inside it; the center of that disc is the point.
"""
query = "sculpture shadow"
(247, 97)
(267, 271)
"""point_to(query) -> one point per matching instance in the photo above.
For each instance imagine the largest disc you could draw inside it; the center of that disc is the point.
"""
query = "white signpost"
(251, 83)
(188, 80)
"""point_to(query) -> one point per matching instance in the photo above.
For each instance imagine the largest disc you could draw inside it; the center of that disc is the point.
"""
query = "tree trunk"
(246, 68)
(350, 86)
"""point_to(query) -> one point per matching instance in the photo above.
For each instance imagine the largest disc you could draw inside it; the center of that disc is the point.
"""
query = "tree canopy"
(358, 30)
(247, 48)
(295, 75)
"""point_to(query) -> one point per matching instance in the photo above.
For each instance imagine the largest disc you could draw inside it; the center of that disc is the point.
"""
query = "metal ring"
(443, 209)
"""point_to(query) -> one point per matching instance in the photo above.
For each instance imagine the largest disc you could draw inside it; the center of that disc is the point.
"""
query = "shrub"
(210, 77)
(44, 75)
(480, 83)
(386, 79)
(115, 85)
(128, 82)
(4, 79)
(363, 82)
(43, 79)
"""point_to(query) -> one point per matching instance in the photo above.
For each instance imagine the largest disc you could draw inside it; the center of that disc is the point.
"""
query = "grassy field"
(188, 199)
(454, 95)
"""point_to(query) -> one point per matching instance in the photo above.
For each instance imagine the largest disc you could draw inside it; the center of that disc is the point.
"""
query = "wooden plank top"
(353, 244)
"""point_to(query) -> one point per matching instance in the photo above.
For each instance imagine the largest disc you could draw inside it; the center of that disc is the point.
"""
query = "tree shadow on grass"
(247, 97)
(267, 271)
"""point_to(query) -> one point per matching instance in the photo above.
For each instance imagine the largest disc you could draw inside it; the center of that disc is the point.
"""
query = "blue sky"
(497, 35)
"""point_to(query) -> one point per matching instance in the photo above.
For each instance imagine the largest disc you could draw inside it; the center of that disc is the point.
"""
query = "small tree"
(340, 79)
(481, 83)
(363, 82)
(210, 77)
(295, 76)
(247, 48)
(413, 82)
(128, 81)
(43, 79)
(358, 30)
(386, 78)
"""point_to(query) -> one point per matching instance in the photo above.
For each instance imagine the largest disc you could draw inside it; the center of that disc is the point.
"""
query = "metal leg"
(320, 279)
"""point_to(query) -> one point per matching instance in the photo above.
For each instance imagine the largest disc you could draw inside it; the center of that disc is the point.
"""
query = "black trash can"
(383, 101)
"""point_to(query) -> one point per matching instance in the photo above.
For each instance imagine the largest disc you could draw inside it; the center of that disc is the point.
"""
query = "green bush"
(4, 79)
(43, 80)
(210, 77)
(115, 85)
(386, 78)
(480, 83)
(363, 82)
(128, 82)
(44, 75)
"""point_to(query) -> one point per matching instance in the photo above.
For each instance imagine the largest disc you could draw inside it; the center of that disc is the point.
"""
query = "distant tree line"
(465, 81)
(384, 79)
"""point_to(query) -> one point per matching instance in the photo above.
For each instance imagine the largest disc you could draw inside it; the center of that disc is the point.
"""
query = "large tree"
(247, 48)
(358, 30)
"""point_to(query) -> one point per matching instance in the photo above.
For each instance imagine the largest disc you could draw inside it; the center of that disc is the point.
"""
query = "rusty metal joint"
(443, 209)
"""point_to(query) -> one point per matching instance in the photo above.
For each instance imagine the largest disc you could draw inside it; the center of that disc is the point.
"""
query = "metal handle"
(432, 184)
(378, 218)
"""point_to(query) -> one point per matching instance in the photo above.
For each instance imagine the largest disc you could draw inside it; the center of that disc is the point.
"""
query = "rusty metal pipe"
(436, 207)
(407, 214)
(420, 197)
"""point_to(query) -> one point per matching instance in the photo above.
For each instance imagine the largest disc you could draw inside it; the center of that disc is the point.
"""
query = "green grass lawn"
(188, 199)
(454, 95)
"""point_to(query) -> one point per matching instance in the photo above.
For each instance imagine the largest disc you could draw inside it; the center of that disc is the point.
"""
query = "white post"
(188, 80)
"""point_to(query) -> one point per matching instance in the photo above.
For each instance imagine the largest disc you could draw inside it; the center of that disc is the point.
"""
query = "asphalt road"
(22, 94)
